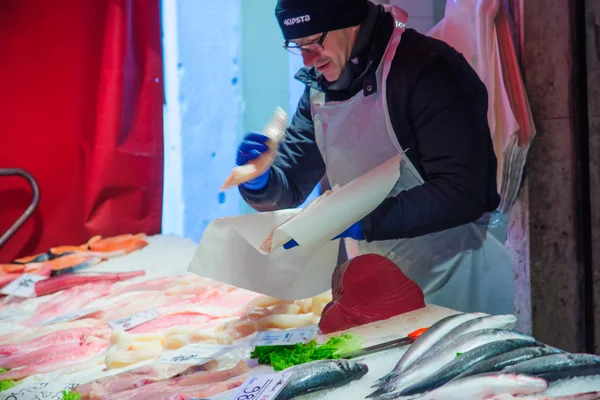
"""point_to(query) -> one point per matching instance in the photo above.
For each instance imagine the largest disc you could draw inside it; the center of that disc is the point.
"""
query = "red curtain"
(81, 110)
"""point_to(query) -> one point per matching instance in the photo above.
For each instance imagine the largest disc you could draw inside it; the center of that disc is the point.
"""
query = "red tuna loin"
(368, 288)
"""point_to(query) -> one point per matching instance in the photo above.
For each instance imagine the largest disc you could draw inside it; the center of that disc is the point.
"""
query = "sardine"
(464, 362)
(505, 322)
(440, 333)
(445, 354)
(482, 387)
(430, 337)
(558, 366)
(497, 363)
(321, 375)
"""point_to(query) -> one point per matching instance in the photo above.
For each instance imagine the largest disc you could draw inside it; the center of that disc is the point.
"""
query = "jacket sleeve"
(297, 168)
(447, 109)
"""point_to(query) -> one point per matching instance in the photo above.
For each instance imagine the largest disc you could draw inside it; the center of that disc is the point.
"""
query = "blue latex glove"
(251, 148)
(354, 232)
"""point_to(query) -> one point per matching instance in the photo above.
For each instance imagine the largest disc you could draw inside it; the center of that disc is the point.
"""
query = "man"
(375, 89)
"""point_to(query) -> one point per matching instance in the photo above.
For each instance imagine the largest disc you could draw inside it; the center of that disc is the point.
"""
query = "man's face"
(331, 59)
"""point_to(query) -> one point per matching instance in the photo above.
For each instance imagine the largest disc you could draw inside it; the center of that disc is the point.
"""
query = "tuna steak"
(368, 288)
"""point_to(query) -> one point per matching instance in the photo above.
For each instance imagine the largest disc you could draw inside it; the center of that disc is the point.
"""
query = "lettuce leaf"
(282, 357)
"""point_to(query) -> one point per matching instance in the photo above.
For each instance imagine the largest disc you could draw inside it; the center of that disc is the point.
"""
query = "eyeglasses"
(315, 46)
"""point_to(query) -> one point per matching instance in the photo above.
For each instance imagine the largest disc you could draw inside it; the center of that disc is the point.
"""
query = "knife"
(392, 344)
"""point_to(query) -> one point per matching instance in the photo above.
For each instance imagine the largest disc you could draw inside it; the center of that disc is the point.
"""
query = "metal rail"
(34, 201)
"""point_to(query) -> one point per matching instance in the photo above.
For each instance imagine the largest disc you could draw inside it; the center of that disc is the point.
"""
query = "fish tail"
(382, 391)
(385, 379)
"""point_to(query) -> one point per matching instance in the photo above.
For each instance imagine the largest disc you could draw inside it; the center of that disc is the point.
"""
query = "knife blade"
(392, 344)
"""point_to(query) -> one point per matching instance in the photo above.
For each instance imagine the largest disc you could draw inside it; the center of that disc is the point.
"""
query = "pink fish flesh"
(72, 299)
(53, 338)
(163, 323)
(87, 349)
(164, 389)
(136, 378)
(54, 284)
(146, 286)
(211, 389)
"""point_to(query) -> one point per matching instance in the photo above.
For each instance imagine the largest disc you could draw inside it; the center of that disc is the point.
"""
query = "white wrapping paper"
(229, 250)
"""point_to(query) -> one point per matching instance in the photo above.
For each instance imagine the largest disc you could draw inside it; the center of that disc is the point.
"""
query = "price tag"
(37, 391)
(263, 387)
(279, 338)
(23, 286)
(194, 354)
(70, 316)
(134, 320)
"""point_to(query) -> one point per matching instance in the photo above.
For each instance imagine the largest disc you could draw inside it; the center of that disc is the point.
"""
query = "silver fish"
(489, 322)
(464, 362)
(558, 366)
(471, 325)
(497, 363)
(321, 375)
(444, 355)
(430, 337)
(482, 387)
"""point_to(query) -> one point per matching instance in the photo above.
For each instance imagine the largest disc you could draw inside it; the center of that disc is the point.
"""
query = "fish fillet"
(53, 360)
(368, 288)
(163, 323)
(55, 284)
(275, 131)
(163, 389)
(54, 338)
(72, 299)
(146, 286)
(267, 244)
(28, 334)
(211, 389)
(136, 378)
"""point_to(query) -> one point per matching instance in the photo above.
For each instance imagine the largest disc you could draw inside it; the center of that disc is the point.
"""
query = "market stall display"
(167, 334)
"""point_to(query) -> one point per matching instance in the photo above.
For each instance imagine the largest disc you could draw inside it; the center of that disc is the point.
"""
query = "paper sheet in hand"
(229, 250)
(342, 208)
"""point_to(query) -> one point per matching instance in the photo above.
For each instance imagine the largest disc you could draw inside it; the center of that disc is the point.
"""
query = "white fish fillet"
(275, 131)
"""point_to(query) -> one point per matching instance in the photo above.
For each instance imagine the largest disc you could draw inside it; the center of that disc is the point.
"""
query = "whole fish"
(430, 337)
(483, 387)
(464, 362)
(558, 366)
(505, 322)
(321, 375)
(465, 326)
(445, 354)
(498, 362)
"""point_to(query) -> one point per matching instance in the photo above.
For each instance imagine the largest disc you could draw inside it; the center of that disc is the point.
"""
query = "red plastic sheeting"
(81, 110)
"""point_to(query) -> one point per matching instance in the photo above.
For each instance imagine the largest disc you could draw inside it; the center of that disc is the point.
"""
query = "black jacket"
(438, 108)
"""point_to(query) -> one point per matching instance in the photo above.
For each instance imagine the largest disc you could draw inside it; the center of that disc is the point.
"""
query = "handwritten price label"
(134, 320)
(37, 391)
(23, 286)
(278, 338)
(70, 316)
(194, 354)
(263, 387)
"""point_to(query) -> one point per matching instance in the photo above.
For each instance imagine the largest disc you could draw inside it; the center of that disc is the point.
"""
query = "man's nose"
(308, 58)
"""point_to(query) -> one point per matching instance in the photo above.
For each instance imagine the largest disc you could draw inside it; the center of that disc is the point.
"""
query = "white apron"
(466, 268)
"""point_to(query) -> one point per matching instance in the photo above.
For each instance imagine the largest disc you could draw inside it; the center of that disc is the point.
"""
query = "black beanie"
(302, 18)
